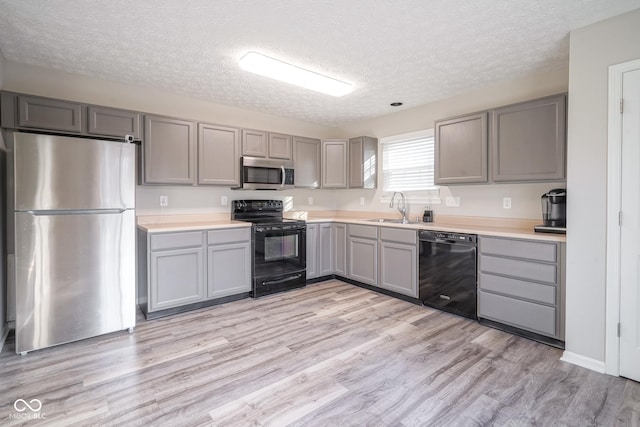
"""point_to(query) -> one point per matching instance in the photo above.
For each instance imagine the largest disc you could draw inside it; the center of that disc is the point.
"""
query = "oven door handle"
(286, 279)
(284, 176)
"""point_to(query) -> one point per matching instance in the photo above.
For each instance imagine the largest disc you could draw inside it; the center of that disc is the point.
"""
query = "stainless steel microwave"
(266, 174)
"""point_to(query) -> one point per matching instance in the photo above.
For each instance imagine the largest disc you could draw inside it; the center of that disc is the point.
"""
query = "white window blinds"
(407, 162)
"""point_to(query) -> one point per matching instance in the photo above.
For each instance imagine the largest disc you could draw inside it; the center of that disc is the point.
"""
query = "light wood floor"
(330, 354)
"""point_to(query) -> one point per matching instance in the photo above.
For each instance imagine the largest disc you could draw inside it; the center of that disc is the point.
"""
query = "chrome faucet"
(402, 209)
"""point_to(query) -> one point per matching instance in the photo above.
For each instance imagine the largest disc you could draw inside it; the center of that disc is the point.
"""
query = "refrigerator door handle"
(77, 212)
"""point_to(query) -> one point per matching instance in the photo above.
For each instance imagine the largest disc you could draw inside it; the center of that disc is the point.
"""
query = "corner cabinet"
(461, 150)
(335, 161)
(362, 162)
(306, 158)
(528, 140)
(169, 151)
(218, 155)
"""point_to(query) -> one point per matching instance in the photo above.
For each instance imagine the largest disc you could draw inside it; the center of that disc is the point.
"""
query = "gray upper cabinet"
(461, 150)
(280, 146)
(254, 143)
(52, 114)
(335, 156)
(528, 140)
(306, 158)
(114, 122)
(218, 155)
(169, 151)
(362, 162)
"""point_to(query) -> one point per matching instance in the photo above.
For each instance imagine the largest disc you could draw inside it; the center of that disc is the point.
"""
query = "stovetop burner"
(263, 212)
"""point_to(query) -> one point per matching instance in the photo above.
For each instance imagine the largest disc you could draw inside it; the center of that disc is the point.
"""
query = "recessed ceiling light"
(278, 70)
(396, 104)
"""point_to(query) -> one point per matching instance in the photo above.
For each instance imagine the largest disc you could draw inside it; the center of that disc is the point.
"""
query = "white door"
(630, 229)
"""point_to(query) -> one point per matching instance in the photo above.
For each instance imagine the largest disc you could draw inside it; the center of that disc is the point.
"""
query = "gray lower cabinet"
(186, 267)
(528, 140)
(521, 284)
(306, 159)
(362, 254)
(362, 162)
(335, 157)
(218, 155)
(169, 151)
(229, 262)
(313, 251)
(399, 261)
(339, 247)
(176, 270)
(326, 250)
(255, 143)
(114, 122)
(461, 150)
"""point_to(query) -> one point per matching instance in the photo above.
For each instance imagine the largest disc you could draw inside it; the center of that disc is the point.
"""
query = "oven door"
(279, 250)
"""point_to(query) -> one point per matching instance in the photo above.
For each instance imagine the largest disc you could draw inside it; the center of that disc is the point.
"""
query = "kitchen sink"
(390, 221)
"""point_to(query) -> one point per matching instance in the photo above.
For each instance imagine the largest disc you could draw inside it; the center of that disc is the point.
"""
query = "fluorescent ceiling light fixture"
(278, 70)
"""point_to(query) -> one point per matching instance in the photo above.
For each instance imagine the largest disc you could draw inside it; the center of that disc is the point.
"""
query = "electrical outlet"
(310, 201)
(361, 201)
(506, 202)
(452, 202)
(164, 201)
(223, 200)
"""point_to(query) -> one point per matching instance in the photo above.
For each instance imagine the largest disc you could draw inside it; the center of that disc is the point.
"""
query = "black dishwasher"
(447, 272)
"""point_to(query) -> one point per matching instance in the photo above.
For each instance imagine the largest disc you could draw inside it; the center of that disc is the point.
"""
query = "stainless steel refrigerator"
(74, 238)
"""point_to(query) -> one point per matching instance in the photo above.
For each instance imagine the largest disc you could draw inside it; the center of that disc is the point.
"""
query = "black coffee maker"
(554, 212)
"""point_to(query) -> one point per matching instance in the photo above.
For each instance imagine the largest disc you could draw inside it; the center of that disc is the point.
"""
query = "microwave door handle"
(283, 176)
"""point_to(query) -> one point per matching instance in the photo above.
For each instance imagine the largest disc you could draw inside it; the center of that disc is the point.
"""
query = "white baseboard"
(584, 361)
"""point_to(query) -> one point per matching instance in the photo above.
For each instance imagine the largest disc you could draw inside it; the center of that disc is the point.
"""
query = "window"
(407, 162)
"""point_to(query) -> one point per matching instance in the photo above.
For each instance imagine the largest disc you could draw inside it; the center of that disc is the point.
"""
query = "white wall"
(475, 200)
(593, 49)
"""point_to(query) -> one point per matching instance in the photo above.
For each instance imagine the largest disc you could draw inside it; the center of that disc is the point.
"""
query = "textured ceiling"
(414, 51)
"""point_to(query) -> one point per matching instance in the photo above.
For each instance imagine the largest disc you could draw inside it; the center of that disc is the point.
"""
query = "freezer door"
(75, 276)
(57, 172)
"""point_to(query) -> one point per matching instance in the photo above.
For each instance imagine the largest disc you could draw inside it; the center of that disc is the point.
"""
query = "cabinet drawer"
(539, 251)
(398, 235)
(176, 240)
(364, 231)
(521, 269)
(526, 315)
(518, 288)
(216, 237)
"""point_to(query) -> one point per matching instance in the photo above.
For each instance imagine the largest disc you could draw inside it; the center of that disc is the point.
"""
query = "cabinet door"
(114, 122)
(169, 151)
(334, 163)
(399, 268)
(528, 140)
(177, 278)
(363, 260)
(254, 143)
(49, 114)
(340, 249)
(326, 254)
(218, 155)
(280, 146)
(362, 162)
(313, 253)
(229, 269)
(306, 160)
(461, 150)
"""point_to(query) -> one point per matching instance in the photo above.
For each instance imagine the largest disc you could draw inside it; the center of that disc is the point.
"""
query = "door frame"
(614, 187)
